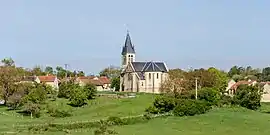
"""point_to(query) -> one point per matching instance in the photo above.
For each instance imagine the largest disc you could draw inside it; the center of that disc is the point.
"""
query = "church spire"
(128, 47)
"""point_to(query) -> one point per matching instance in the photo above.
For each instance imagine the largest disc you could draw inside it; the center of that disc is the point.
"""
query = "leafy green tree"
(37, 95)
(33, 109)
(110, 72)
(221, 78)
(49, 70)
(65, 89)
(266, 74)
(78, 97)
(248, 96)
(61, 72)
(116, 83)
(37, 70)
(8, 62)
(237, 77)
(90, 91)
(8, 78)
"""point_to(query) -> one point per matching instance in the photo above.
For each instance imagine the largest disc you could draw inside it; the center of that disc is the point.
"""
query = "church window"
(149, 75)
(142, 83)
(157, 75)
(129, 77)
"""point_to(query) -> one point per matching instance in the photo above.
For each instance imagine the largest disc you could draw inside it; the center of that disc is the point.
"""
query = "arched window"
(157, 75)
(149, 75)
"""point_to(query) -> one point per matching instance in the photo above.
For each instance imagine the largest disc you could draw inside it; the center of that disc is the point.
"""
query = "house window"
(157, 75)
(149, 75)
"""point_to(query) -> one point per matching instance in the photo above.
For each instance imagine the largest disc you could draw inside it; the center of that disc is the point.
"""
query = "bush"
(164, 104)
(78, 97)
(90, 90)
(115, 121)
(59, 111)
(32, 109)
(65, 89)
(15, 101)
(152, 110)
(225, 100)
(210, 95)
(190, 107)
(248, 97)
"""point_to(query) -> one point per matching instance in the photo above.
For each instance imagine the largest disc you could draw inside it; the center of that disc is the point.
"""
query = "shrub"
(59, 111)
(65, 89)
(32, 109)
(78, 97)
(164, 104)
(190, 107)
(115, 121)
(14, 101)
(225, 100)
(152, 109)
(248, 96)
(90, 90)
(210, 95)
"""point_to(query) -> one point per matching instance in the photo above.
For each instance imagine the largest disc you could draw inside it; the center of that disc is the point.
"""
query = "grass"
(221, 121)
(100, 108)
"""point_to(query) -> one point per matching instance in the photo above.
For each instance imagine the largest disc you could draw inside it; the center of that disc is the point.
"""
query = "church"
(138, 76)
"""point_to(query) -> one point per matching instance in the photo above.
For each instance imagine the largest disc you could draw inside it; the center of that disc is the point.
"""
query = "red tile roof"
(241, 83)
(47, 78)
(104, 80)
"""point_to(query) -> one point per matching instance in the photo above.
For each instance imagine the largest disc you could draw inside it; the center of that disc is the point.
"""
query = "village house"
(265, 86)
(48, 80)
(139, 76)
(101, 83)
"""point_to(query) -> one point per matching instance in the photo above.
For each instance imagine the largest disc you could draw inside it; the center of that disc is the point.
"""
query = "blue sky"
(89, 34)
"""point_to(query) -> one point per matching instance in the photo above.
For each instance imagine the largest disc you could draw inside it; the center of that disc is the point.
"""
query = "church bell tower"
(128, 52)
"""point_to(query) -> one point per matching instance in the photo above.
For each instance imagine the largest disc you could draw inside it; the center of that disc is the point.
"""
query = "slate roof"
(149, 66)
(128, 47)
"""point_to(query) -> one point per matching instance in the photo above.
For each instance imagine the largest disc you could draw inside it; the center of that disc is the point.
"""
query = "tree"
(65, 89)
(110, 72)
(80, 73)
(266, 74)
(237, 77)
(78, 97)
(32, 108)
(61, 72)
(8, 78)
(37, 71)
(37, 95)
(234, 71)
(248, 96)
(221, 78)
(90, 91)
(116, 83)
(49, 70)
(8, 62)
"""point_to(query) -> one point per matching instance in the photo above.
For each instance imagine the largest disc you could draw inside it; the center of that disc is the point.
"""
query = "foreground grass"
(221, 121)
(100, 108)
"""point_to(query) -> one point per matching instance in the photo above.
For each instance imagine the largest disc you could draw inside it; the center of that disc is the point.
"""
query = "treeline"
(59, 71)
(242, 73)
(32, 98)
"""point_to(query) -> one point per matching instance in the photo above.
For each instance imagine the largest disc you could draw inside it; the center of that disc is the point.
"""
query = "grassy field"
(221, 121)
(100, 108)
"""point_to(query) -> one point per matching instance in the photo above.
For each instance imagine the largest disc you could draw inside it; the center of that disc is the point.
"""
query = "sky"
(89, 34)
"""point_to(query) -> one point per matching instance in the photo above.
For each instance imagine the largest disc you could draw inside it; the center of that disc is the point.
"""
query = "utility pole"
(196, 84)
